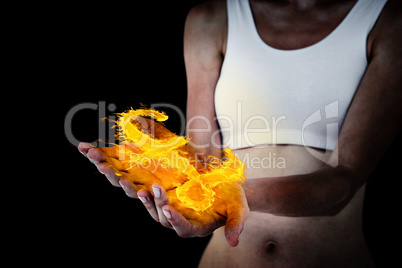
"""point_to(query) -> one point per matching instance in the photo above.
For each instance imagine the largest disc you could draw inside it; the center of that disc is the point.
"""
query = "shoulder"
(207, 24)
(386, 34)
(211, 12)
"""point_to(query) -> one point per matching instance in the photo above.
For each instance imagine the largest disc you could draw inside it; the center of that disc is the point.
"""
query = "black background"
(127, 55)
(124, 56)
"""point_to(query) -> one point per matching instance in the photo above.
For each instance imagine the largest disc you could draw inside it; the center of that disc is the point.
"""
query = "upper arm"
(204, 38)
(375, 114)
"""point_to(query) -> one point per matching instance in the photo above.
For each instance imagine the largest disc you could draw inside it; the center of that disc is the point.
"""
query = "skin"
(308, 214)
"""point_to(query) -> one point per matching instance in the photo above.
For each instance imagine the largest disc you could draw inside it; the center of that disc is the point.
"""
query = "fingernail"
(122, 185)
(157, 192)
(167, 214)
(143, 199)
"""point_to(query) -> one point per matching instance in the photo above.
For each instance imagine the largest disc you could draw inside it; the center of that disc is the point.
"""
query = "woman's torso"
(275, 241)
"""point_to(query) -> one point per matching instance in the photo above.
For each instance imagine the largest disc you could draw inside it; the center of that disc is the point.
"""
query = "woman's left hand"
(230, 209)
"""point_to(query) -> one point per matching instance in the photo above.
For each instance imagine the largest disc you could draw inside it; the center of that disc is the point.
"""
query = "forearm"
(321, 193)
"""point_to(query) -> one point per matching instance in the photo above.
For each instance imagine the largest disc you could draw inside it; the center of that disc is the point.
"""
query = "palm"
(145, 175)
(229, 208)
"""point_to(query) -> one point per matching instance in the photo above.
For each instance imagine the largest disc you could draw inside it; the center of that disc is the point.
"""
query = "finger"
(161, 200)
(110, 167)
(129, 188)
(111, 173)
(234, 225)
(96, 155)
(111, 155)
(181, 225)
(233, 229)
(101, 155)
(148, 201)
(119, 164)
(112, 151)
(104, 165)
(122, 150)
(84, 147)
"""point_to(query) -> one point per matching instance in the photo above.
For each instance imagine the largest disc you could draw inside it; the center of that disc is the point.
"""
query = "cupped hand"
(107, 161)
(136, 181)
(230, 209)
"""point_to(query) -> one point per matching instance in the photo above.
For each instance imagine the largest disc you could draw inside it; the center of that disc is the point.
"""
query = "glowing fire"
(153, 154)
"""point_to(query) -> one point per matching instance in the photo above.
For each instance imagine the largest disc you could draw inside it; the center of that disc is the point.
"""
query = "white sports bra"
(266, 95)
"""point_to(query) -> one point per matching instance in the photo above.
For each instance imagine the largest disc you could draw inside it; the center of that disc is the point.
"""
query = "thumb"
(234, 226)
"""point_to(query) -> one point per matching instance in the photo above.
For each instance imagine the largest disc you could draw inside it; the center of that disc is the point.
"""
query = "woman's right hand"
(106, 159)
(136, 183)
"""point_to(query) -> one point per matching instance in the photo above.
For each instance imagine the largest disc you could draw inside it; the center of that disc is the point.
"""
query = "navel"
(271, 247)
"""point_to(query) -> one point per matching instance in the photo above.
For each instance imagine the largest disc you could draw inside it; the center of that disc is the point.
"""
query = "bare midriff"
(276, 241)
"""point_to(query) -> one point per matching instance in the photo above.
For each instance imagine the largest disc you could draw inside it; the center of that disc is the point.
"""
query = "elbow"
(346, 184)
(335, 209)
(336, 192)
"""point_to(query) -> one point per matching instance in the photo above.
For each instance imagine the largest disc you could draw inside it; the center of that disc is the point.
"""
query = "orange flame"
(152, 151)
